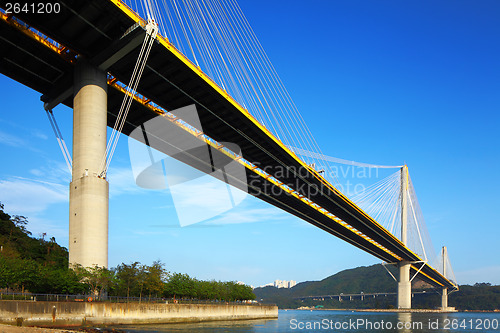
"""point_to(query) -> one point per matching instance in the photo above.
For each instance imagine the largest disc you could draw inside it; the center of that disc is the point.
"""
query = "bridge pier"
(89, 193)
(444, 299)
(404, 283)
(404, 286)
(444, 292)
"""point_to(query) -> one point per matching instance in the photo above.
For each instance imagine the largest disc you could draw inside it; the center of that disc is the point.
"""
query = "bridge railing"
(12, 296)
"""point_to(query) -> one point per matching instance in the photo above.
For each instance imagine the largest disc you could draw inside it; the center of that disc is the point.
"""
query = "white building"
(281, 284)
(284, 284)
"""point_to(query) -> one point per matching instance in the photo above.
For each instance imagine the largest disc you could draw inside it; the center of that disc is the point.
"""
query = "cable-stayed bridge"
(137, 76)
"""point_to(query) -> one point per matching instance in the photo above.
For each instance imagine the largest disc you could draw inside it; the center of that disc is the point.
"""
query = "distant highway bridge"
(340, 297)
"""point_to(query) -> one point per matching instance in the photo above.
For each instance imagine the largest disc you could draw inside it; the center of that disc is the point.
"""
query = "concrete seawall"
(29, 313)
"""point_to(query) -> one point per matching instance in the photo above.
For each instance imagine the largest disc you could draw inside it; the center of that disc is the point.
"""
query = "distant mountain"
(362, 279)
(375, 279)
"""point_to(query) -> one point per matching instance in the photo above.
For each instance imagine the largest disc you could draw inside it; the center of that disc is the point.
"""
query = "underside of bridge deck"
(108, 36)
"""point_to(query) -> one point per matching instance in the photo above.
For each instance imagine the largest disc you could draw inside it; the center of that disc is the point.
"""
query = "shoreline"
(19, 329)
(4, 328)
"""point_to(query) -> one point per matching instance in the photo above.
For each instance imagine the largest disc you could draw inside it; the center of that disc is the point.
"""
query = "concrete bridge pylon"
(89, 192)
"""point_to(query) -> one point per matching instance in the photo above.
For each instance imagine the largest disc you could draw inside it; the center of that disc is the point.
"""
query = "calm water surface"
(342, 321)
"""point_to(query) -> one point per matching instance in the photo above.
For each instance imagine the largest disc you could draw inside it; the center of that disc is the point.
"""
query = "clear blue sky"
(383, 82)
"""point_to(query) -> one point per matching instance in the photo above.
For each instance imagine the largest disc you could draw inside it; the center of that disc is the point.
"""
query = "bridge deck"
(97, 29)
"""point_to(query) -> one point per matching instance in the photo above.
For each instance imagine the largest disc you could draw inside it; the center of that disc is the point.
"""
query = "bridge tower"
(89, 193)
(444, 292)
(404, 283)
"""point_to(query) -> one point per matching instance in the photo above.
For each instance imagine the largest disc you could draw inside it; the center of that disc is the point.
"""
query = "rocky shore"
(17, 329)
(24, 329)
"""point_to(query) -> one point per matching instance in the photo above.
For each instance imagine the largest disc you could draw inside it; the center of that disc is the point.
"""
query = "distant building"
(281, 284)
(284, 284)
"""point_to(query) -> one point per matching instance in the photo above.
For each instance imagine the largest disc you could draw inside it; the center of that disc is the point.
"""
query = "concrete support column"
(88, 203)
(444, 294)
(404, 286)
(444, 299)
(404, 205)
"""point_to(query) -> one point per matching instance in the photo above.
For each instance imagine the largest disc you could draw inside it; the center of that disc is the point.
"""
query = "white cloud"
(147, 233)
(207, 193)
(11, 140)
(38, 225)
(39, 135)
(53, 172)
(203, 198)
(248, 215)
(121, 181)
(28, 196)
(19, 141)
(36, 172)
(32, 198)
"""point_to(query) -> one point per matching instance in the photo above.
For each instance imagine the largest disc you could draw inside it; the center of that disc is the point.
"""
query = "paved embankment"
(30, 313)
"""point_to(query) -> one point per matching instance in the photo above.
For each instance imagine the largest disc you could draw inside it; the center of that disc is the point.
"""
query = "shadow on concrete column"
(444, 299)
(88, 203)
(404, 286)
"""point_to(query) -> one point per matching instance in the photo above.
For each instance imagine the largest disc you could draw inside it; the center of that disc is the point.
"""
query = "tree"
(141, 279)
(180, 285)
(8, 272)
(155, 278)
(126, 278)
(59, 281)
(19, 274)
(101, 279)
(41, 266)
(98, 279)
(240, 292)
(19, 222)
(206, 289)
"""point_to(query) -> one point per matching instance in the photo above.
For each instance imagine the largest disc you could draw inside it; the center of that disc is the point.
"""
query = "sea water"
(341, 321)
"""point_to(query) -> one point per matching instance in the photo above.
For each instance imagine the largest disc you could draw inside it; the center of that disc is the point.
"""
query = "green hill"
(375, 279)
(37, 265)
(32, 264)
(362, 279)
(16, 243)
